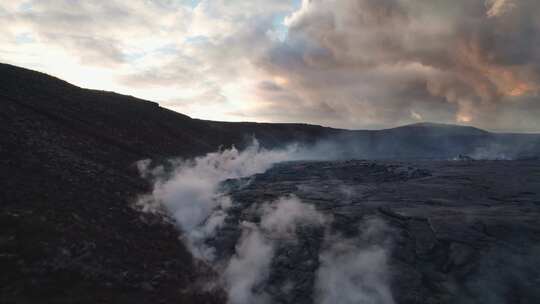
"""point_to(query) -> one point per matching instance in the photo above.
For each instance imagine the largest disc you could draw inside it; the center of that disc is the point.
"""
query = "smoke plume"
(355, 270)
(190, 194)
(249, 267)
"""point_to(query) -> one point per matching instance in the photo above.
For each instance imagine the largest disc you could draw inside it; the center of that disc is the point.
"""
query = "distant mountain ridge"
(143, 129)
(439, 129)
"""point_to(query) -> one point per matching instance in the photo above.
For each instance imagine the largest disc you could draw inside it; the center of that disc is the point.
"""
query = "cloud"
(105, 29)
(378, 59)
(499, 7)
(351, 63)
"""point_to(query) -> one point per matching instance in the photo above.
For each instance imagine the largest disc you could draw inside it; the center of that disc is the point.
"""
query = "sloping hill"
(138, 127)
(68, 233)
(437, 141)
(68, 180)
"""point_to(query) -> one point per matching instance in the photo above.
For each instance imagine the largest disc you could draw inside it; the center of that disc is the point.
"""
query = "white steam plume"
(191, 194)
(249, 267)
(281, 217)
(349, 272)
(355, 270)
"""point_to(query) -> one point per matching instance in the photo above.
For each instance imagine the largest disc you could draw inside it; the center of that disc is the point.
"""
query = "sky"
(357, 64)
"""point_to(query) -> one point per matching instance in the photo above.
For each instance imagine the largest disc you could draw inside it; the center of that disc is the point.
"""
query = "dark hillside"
(138, 127)
(68, 181)
(68, 233)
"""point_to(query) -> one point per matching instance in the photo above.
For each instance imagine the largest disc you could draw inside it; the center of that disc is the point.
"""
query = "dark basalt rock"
(456, 234)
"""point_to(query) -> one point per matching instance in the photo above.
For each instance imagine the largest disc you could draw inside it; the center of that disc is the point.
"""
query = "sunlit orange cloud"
(465, 112)
(280, 80)
(463, 118)
(504, 78)
(520, 89)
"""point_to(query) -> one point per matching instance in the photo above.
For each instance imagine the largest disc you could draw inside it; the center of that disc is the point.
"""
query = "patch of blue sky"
(23, 7)
(24, 38)
(26, 6)
(199, 39)
(279, 28)
(174, 4)
(168, 49)
(134, 56)
(297, 4)
(190, 3)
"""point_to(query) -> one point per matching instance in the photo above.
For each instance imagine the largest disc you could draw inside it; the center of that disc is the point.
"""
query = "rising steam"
(191, 196)
(191, 193)
(355, 270)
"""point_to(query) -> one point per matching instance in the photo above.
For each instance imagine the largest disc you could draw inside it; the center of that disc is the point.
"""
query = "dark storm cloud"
(465, 61)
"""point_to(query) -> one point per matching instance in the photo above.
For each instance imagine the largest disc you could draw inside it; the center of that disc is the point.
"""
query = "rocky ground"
(454, 231)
